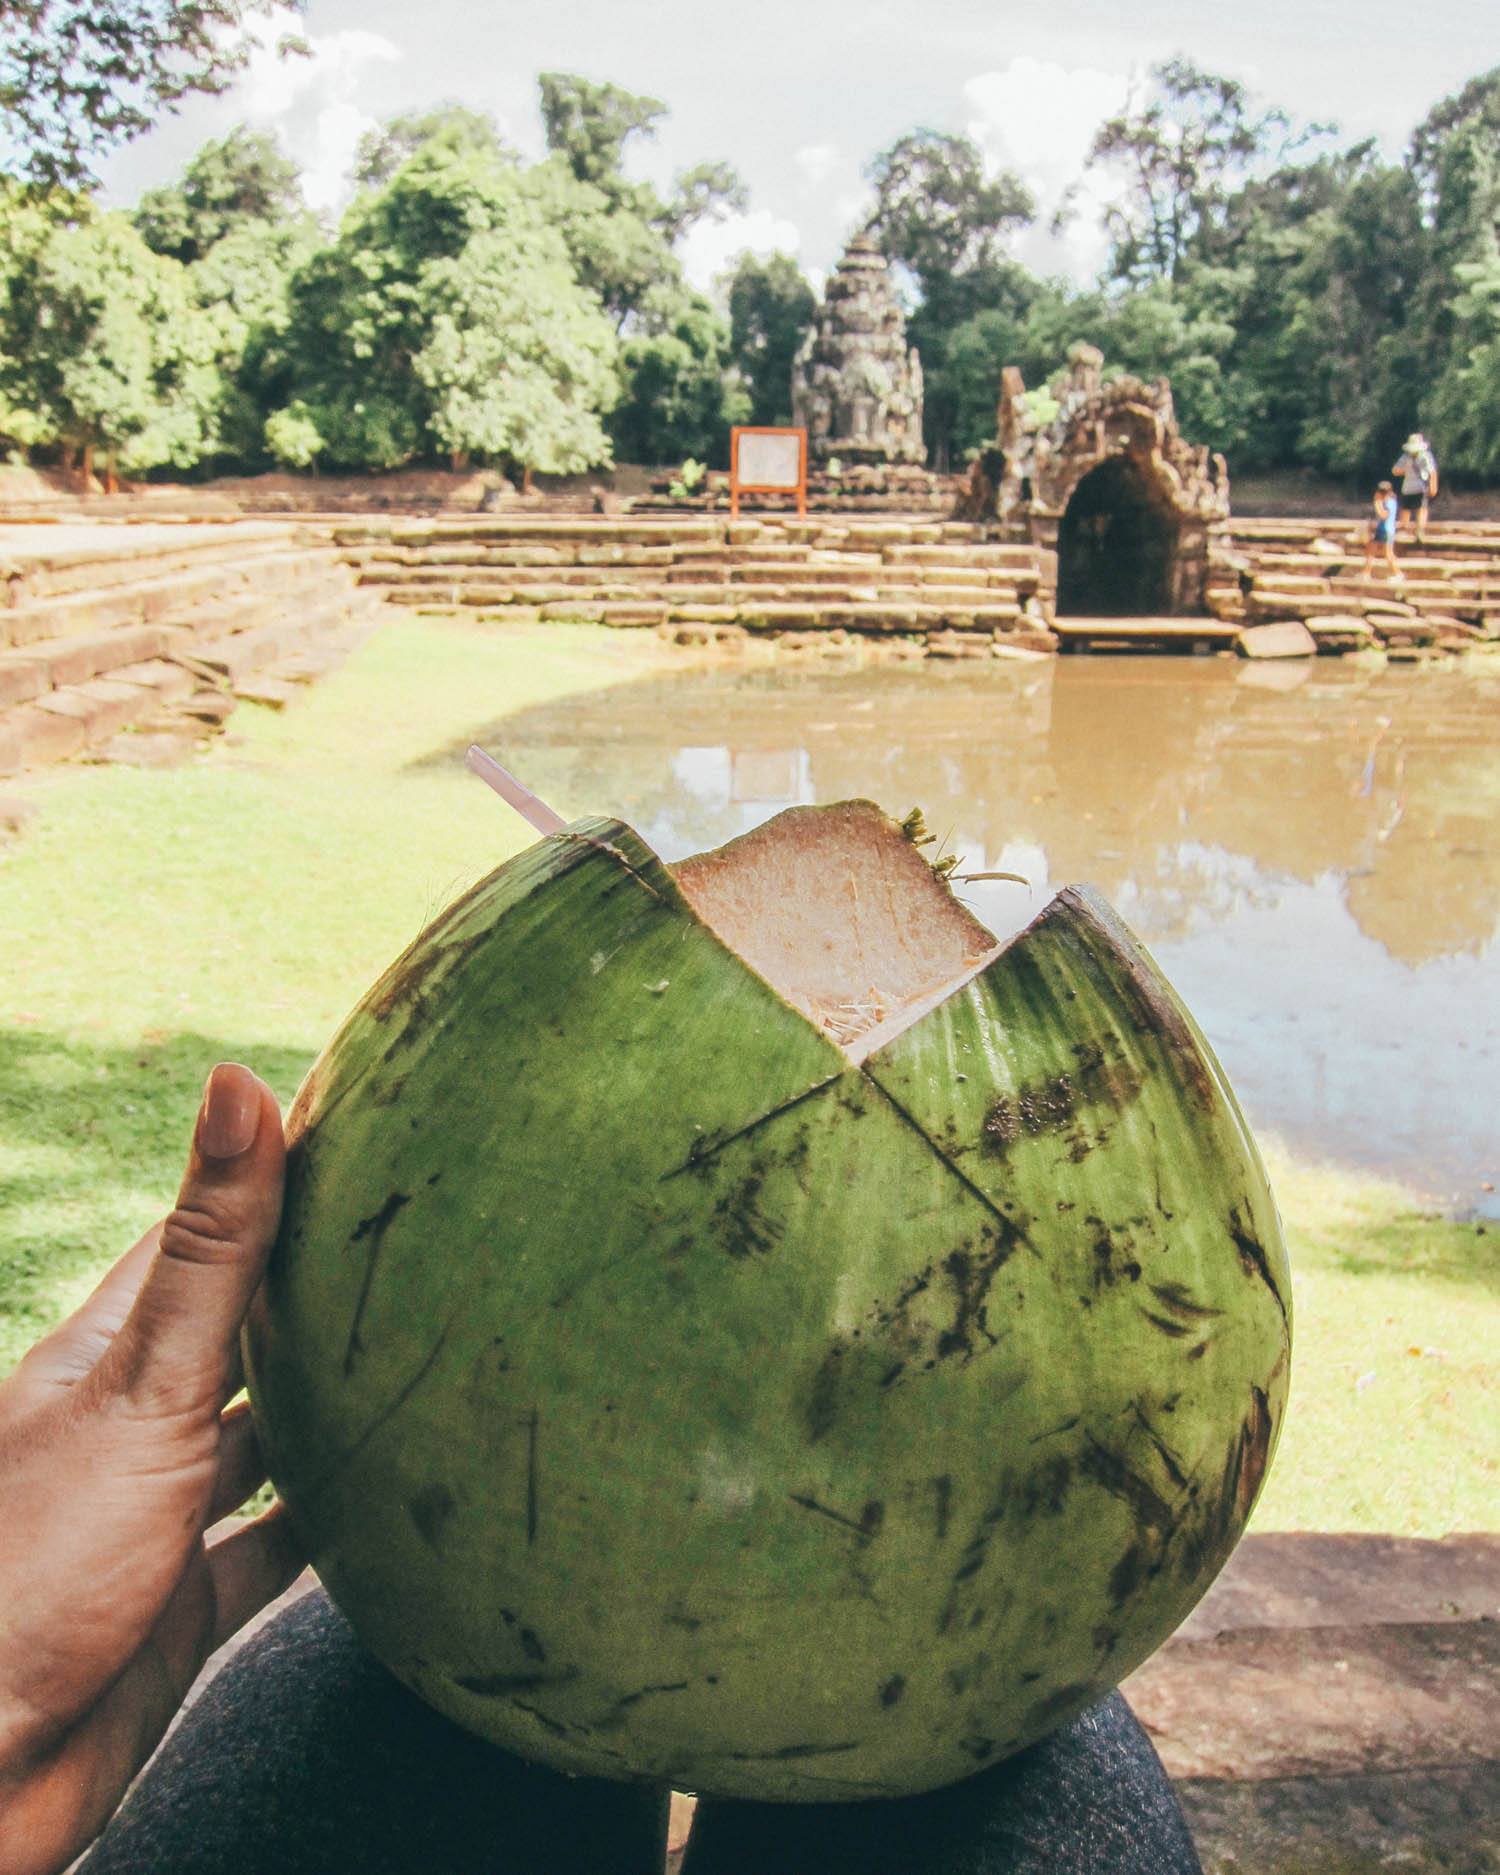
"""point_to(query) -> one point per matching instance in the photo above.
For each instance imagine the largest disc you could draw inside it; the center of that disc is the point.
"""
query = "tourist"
(1381, 531)
(1417, 467)
(117, 1454)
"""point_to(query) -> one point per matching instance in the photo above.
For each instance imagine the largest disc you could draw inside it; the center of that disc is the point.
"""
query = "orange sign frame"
(738, 487)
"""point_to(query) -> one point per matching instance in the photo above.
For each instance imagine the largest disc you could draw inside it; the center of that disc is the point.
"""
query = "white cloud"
(816, 162)
(311, 101)
(708, 248)
(1038, 119)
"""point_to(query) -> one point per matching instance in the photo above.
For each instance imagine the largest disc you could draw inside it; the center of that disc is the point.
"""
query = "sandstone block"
(781, 618)
(633, 614)
(1289, 639)
(163, 677)
(1029, 636)
(959, 644)
(1395, 632)
(75, 660)
(43, 736)
(22, 677)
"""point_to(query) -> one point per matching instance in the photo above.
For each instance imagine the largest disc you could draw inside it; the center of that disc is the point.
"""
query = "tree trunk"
(88, 467)
(111, 479)
(526, 487)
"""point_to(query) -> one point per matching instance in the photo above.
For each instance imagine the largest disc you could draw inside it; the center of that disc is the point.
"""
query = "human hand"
(116, 1455)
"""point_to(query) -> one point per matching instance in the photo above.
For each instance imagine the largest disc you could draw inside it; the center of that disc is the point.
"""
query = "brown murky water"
(1312, 852)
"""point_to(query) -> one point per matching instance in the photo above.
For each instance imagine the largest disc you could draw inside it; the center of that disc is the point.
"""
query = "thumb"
(178, 1345)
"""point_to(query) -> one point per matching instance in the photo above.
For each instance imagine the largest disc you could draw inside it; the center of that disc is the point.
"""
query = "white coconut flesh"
(836, 908)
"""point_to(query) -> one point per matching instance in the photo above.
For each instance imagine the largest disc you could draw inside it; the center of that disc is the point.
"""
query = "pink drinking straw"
(528, 805)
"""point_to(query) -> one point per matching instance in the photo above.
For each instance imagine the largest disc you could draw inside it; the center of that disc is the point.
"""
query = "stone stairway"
(108, 632)
(1332, 1707)
(939, 587)
(1445, 597)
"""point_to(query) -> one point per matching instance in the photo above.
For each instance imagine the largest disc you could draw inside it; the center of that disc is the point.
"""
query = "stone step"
(1420, 1822)
(1333, 1703)
(76, 717)
(1372, 596)
(51, 662)
(522, 533)
(1253, 530)
(554, 591)
(70, 721)
(35, 572)
(1316, 1701)
(756, 614)
(237, 654)
(1407, 586)
(1273, 567)
(879, 617)
(150, 600)
(415, 569)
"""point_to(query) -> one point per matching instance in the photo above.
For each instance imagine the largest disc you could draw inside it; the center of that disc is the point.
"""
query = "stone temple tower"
(857, 385)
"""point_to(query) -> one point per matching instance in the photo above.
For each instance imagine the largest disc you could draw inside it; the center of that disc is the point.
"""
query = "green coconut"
(744, 1329)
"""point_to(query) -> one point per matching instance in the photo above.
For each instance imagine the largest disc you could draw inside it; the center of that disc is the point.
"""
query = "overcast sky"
(798, 94)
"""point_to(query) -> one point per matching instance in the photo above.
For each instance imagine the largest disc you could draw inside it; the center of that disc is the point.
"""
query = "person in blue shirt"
(1381, 532)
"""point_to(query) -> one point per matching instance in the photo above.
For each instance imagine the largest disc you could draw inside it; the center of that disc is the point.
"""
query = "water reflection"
(1315, 857)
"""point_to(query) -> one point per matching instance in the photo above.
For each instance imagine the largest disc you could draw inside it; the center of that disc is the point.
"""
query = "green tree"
(940, 215)
(243, 287)
(1466, 401)
(76, 80)
(242, 178)
(1179, 150)
(706, 192)
(1455, 164)
(681, 395)
(946, 221)
(292, 438)
(589, 125)
(771, 307)
(117, 358)
(617, 254)
(446, 274)
(453, 127)
(519, 363)
(28, 219)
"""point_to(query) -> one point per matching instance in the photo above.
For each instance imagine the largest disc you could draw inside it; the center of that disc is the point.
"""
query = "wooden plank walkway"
(1145, 634)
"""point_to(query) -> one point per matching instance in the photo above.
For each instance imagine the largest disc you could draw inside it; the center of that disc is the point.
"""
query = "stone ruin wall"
(1037, 466)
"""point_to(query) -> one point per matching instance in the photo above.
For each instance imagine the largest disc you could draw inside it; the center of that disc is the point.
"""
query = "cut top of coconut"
(838, 911)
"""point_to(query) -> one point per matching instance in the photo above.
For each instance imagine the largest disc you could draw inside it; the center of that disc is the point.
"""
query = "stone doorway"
(1116, 547)
(1136, 515)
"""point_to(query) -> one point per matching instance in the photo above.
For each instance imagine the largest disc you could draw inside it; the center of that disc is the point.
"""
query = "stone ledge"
(1444, 1821)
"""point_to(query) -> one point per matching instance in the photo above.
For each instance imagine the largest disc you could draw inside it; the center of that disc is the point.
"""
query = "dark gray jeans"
(304, 1757)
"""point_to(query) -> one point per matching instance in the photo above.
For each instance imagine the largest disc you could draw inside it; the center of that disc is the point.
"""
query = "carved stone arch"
(1134, 511)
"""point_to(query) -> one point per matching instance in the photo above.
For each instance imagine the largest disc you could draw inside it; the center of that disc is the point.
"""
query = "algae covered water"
(1313, 852)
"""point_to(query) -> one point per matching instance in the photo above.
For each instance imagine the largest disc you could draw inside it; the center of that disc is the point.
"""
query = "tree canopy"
(242, 178)
(78, 77)
(1311, 301)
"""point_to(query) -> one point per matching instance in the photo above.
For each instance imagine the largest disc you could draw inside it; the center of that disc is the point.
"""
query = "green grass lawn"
(153, 922)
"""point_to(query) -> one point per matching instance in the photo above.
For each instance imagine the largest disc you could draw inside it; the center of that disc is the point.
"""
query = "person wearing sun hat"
(1417, 467)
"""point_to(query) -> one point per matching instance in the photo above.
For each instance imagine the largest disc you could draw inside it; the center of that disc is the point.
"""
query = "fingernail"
(230, 1116)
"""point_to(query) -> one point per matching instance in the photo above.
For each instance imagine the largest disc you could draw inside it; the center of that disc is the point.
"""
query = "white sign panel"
(770, 461)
